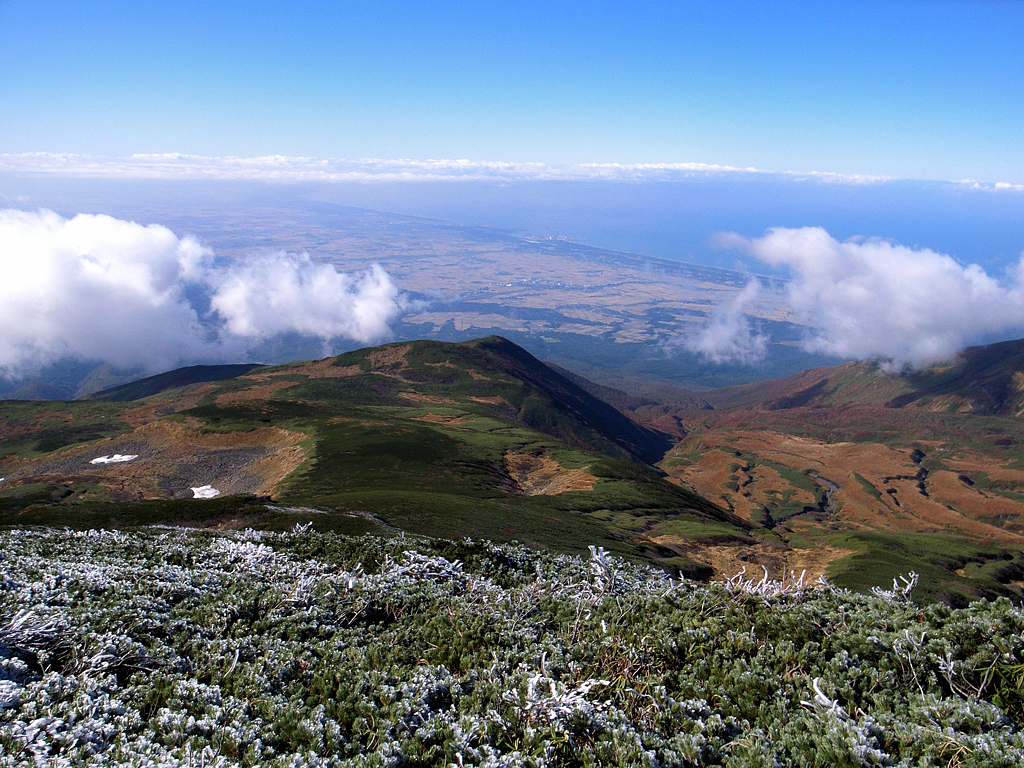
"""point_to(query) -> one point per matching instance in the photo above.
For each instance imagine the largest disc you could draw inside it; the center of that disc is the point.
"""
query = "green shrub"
(165, 646)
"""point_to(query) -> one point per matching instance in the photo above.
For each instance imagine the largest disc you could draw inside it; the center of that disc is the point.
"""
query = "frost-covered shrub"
(169, 647)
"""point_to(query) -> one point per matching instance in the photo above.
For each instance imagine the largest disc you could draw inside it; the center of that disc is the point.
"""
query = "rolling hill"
(180, 377)
(477, 439)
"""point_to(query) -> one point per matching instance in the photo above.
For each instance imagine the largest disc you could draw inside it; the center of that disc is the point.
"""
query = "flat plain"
(608, 315)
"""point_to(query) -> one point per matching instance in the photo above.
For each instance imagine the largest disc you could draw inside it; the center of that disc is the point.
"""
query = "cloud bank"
(278, 168)
(874, 298)
(99, 288)
(285, 169)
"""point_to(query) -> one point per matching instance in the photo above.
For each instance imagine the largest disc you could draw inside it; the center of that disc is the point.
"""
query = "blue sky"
(922, 89)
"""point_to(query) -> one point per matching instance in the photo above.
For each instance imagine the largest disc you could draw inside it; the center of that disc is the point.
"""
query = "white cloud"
(871, 297)
(307, 298)
(278, 168)
(729, 337)
(99, 288)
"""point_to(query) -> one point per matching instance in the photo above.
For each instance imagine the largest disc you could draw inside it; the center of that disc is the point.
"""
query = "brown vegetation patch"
(165, 404)
(489, 400)
(173, 457)
(388, 359)
(879, 487)
(273, 468)
(729, 559)
(947, 488)
(314, 369)
(13, 428)
(255, 393)
(944, 404)
(437, 418)
(973, 462)
(145, 413)
(192, 432)
(275, 380)
(543, 476)
(326, 369)
(419, 397)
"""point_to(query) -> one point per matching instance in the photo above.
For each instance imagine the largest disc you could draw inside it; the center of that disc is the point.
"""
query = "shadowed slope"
(986, 380)
(180, 377)
(569, 398)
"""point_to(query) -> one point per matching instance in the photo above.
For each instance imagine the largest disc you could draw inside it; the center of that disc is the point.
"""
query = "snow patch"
(205, 492)
(117, 458)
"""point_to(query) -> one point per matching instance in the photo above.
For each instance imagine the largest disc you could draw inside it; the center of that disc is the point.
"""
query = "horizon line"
(285, 169)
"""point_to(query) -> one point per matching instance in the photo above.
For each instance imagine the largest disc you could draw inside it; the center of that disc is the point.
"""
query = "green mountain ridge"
(985, 380)
(478, 439)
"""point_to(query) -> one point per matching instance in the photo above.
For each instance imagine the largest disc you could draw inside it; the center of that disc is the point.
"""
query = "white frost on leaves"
(823, 702)
(105, 614)
(898, 591)
(553, 701)
(769, 587)
(9, 698)
(602, 569)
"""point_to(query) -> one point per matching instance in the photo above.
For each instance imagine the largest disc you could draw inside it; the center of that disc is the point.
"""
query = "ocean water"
(666, 219)
(676, 219)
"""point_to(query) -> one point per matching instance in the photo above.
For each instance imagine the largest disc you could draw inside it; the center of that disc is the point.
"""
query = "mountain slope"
(862, 383)
(911, 471)
(476, 439)
(574, 401)
(985, 380)
(180, 377)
